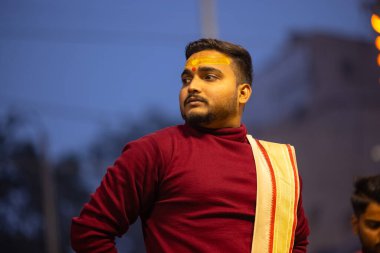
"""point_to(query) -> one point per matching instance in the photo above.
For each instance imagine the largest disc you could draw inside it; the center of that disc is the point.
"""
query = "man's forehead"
(207, 57)
(373, 210)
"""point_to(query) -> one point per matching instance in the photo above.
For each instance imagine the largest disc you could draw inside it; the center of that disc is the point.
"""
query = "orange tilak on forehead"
(193, 63)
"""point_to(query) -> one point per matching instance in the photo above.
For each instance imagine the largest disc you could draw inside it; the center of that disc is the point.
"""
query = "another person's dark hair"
(367, 189)
(240, 56)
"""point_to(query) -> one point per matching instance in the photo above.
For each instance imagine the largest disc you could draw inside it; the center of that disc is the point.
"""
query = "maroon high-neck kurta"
(194, 189)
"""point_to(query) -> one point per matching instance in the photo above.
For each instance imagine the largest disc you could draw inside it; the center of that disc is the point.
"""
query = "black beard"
(365, 249)
(375, 249)
(199, 120)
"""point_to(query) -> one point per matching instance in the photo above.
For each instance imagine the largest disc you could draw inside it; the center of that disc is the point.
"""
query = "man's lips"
(194, 99)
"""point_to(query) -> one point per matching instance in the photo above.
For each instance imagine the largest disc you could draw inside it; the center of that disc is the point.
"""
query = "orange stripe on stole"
(292, 155)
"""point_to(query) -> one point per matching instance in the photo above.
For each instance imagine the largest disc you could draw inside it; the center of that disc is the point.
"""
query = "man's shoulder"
(161, 139)
(167, 132)
(161, 136)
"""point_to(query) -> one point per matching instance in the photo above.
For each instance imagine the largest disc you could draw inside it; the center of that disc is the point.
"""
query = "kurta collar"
(231, 133)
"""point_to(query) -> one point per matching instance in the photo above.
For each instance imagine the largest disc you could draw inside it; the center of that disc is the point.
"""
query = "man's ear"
(245, 91)
(355, 224)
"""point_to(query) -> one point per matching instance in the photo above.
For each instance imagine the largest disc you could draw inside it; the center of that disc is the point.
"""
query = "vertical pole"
(208, 19)
(51, 236)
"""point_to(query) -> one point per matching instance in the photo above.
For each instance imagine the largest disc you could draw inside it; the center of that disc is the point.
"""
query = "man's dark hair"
(367, 189)
(240, 56)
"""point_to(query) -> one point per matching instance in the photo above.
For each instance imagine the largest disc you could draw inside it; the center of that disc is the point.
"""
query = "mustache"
(193, 97)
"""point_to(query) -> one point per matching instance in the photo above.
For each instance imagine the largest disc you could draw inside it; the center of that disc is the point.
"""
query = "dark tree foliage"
(21, 191)
(71, 194)
(20, 202)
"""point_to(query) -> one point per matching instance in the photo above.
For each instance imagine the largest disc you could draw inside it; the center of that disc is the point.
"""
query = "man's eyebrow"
(210, 69)
(186, 72)
(372, 220)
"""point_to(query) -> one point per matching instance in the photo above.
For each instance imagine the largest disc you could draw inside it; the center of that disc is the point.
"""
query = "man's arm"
(125, 190)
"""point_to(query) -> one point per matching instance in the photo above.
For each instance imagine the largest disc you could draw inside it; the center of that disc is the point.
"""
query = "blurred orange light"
(378, 60)
(375, 21)
(377, 42)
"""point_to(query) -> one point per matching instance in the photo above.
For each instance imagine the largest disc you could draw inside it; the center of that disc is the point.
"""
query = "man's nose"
(195, 85)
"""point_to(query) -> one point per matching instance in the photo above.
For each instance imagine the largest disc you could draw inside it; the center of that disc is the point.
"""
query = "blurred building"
(323, 97)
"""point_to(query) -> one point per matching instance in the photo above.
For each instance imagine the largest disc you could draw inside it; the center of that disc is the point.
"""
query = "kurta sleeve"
(302, 229)
(126, 191)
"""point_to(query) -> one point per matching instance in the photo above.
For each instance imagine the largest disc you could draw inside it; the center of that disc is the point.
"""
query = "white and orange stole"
(277, 197)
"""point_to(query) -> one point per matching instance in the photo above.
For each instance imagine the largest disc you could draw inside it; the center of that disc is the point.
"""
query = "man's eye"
(210, 77)
(373, 224)
(186, 80)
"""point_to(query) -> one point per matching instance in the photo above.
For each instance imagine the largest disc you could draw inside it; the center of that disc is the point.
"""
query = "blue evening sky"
(78, 67)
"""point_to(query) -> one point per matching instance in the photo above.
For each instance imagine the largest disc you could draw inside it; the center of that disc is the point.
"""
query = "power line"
(68, 112)
(112, 37)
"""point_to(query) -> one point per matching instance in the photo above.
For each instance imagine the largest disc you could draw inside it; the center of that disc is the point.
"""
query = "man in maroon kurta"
(194, 185)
